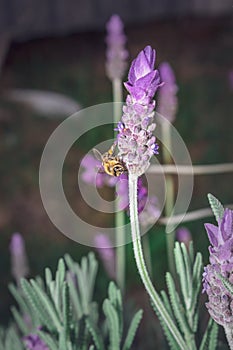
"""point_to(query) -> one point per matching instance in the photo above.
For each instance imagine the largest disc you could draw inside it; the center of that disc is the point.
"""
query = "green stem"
(169, 203)
(119, 214)
(229, 336)
(138, 253)
(146, 249)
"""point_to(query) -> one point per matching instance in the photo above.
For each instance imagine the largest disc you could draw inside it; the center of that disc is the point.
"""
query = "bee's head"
(119, 170)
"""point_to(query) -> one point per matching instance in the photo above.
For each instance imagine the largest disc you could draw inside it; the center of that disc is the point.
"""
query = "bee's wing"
(97, 154)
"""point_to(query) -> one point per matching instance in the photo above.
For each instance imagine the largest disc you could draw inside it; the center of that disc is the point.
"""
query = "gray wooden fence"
(23, 19)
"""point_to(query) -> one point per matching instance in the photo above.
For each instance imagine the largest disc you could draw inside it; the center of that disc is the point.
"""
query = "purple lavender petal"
(212, 232)
(19, 262)
(226, 226)
(184, 235)
(137, 146)
(33, 342)
(221, 261)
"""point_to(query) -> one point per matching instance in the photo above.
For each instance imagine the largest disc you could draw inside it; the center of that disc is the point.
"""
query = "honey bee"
(112, 164)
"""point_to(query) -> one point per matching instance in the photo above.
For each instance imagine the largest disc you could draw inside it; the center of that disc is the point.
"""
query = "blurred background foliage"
(200, 50)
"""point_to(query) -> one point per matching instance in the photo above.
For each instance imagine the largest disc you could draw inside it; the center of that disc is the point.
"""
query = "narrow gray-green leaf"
(216, 207)
(113, 324)
(209, 340)
(132, 330)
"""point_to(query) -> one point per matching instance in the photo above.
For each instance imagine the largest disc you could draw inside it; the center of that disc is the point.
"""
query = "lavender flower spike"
(167, 99)
(136, 142)
(220, 304)
(19, 263)
(116, 52)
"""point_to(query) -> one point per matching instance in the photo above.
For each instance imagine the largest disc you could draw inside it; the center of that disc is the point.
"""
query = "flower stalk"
(229, 336)
(140, 262)
(116, 56)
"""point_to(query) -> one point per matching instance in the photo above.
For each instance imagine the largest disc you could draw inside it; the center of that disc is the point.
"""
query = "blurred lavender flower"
(167, 99)
(148, 208)
(19, 263)
(33, 342)
(122, 192)
(150, 213)
(220, 305)
(136, 142)
(116, 53)
(107, 254)
(93, 173)
(184, 235)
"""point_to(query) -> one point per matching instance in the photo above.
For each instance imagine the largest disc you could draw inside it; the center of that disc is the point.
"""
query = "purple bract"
(136, 142)
(220, 304)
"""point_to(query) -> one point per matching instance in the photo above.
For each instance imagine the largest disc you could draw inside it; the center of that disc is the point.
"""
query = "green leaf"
(209, 340)
(113, 324)
(196, 283)
(47, 303)
(132, 330)
(216, 207)
(75, 298)
(227, 284)
(183, 272)
(177, 307)
(116, 300)
(19, 321)
(170, 338)
(37, 312)
(97, 339)
(66, 309)
(48, 340)
(17, 294)
(167, 304)
(10, 339)
(48, 277)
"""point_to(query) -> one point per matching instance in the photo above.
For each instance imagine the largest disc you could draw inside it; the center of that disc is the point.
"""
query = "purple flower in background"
(147, 206)
(136, 142)
(184, 235)
(19, 263)
(33, 342)
(116, 53)
(107, 254)
(93, 174)
(150, 212)
(167, 99)
(220, 304)
(122, 192)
